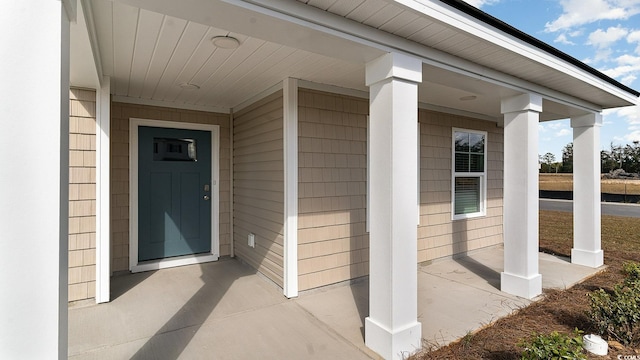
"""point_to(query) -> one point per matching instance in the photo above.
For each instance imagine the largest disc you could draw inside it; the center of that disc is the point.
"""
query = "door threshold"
(173, 262)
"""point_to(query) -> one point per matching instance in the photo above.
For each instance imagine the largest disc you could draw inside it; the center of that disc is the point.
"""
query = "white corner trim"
(419, 167)
(103, 194)
(232, 251)
(368, 209)
(290, 139)
(134, 266)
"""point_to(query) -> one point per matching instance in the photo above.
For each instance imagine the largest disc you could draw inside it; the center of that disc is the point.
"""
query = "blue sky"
(603, 33)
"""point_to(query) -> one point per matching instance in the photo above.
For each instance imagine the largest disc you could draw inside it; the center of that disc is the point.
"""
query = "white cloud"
(623, 71)
(562, 38)
(631, 115)
(634, 37)
(481, 3)
(627, 59)
(603, 39)
(580, 12)
(576, 33)
(602, 55)
(558, 128)
(557, 125)
(627, 71)
(628, 80)
(632, 136)
(555, 128)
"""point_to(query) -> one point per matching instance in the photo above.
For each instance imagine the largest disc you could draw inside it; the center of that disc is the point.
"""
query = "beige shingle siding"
(82, 194)
(333, 245)
(438, 235)
(258, 194)
(120, 114)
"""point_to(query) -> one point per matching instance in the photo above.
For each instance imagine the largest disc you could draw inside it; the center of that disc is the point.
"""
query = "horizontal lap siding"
(82, 194)
(333, 245)
(120, 115)
(258, 185)
(438, 235)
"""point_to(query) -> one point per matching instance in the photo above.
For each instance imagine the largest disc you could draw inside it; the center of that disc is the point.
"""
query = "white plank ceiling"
(148, 55)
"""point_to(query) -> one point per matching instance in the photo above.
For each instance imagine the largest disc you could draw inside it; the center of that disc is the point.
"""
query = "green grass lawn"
(620, 235)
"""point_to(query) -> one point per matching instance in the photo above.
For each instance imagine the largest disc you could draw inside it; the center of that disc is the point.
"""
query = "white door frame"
(134, 266)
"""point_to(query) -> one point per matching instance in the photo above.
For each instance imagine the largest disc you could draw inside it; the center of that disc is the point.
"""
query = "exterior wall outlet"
(251, 240)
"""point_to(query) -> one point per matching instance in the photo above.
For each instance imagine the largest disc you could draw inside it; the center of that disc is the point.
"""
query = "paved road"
(617, 209)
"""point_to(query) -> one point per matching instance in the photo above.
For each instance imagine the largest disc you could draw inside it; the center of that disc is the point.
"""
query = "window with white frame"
(469, 173)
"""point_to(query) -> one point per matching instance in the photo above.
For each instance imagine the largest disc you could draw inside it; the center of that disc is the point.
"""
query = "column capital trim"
(522, 102)
(594, 119)
(394, 65)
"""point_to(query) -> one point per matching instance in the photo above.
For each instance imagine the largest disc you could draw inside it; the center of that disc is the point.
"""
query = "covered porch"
(246, 63)
(226, 310)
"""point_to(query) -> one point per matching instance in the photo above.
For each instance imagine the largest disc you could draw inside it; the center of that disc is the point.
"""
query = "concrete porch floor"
(224, 310)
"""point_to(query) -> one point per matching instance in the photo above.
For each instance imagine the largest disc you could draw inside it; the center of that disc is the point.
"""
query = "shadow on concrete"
(490, 275)
(462, 258)
(121, 284)
(192, 314)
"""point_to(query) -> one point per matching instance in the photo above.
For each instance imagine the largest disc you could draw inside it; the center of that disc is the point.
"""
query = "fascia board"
(479, 29)
(366, 35)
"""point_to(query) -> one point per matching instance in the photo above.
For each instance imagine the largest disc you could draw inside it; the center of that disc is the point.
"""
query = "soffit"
(148, 55)
(149, 47)
(394, 18)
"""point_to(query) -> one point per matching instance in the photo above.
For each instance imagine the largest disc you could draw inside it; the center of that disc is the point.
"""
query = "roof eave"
(504, 27)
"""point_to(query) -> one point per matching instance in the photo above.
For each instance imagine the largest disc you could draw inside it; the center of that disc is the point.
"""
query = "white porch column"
(103, 194)
(392, 328)
(290, 135)
(520, 276)
(586, 250)
(34, 180)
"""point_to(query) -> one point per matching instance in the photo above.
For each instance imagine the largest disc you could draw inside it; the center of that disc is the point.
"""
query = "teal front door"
(174, 192)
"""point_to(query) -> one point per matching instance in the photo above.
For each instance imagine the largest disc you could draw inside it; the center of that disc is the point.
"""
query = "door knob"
(206, 197)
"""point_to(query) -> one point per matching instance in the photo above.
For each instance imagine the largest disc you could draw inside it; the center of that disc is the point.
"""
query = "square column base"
(527, 288)
(392, 345)
(593, 259)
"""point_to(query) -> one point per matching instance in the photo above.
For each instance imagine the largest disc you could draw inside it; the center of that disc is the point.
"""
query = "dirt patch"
(561, 311)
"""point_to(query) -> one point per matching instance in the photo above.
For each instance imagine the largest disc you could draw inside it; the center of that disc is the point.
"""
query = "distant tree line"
(625, 157)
